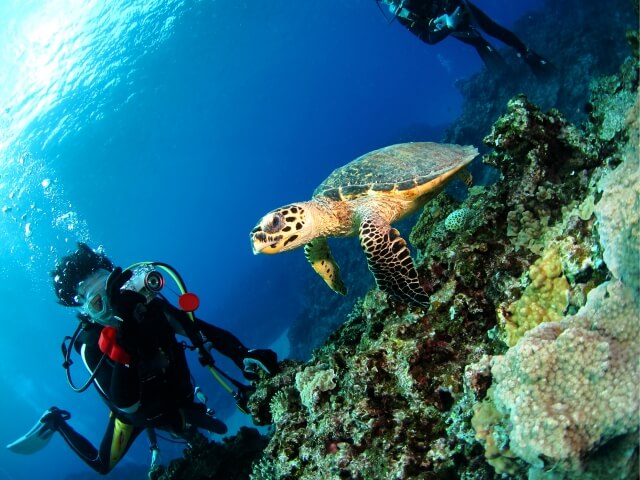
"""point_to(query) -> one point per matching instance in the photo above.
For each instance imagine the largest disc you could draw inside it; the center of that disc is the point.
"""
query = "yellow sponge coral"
(544, 299)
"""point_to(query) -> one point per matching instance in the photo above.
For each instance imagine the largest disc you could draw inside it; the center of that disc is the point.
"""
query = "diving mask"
(92, 295)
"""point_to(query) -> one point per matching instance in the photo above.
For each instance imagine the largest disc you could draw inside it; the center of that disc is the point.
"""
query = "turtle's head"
(280, 230)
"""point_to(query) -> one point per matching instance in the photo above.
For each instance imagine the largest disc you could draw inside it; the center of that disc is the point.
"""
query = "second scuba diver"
(127, 339)
(433, 20)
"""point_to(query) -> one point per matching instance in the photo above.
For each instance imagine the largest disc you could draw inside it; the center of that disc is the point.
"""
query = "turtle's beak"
(258, 239)
(263, 243)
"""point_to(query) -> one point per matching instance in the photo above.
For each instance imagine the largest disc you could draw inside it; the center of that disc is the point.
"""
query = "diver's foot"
(53, 417)
(263, 359)
(40, 434)
(540, 66)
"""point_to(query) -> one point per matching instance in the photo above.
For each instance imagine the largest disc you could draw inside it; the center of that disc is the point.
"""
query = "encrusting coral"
(544, 299)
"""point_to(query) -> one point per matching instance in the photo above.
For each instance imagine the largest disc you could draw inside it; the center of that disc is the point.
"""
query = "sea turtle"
(365, 197)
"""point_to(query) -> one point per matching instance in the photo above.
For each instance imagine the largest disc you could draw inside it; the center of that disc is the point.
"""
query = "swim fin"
(38, 437)
(540, 66)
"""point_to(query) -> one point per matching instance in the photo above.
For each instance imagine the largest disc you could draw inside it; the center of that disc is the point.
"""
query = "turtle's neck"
(332, 218)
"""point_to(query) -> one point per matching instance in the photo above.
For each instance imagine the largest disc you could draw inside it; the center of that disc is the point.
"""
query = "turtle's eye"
(274, 224)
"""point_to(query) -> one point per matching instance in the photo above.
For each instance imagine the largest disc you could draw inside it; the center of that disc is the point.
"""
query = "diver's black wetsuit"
(154, 390)
(420, 16)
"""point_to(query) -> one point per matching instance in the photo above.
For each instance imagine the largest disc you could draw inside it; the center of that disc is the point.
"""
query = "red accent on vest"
(109, 346)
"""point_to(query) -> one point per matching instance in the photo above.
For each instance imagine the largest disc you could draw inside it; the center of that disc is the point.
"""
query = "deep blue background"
(164, 131)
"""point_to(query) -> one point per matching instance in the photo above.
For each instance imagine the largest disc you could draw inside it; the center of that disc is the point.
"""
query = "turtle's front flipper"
(390, 261)
(319, 256)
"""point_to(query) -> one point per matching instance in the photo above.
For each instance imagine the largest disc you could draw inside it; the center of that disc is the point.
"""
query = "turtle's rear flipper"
(319, 256)
(390, 261)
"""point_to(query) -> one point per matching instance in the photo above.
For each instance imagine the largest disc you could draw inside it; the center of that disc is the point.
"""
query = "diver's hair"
(74, 268)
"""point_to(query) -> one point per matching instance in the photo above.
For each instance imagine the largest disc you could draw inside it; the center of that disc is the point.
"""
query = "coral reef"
(564, 399)
(621, 233)
(570, 387)
(458, 220)
(230, 459)
(544, 299)
(581, 47)
(398, 393)
(525, 364)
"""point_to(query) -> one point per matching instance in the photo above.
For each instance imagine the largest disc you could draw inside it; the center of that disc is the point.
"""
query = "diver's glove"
(123, 302)
(445, 21)
(259, 359)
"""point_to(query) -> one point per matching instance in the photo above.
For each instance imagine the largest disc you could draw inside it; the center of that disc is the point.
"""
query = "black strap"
(66, 354)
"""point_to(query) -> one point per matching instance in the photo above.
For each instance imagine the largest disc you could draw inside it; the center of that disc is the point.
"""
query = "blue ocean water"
(163, 130)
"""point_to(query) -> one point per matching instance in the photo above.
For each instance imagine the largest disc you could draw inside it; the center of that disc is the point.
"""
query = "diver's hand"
(116, 280)
(445, 21)
(123, 302)
(453, 20)
(129, 307)
(439, 23)
(259, 359)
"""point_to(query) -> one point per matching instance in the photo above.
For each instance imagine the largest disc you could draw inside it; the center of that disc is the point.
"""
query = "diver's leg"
(496, 30)
(79, 444)
(539, 65)
(111, 451)
(116, 441)
(489, 55)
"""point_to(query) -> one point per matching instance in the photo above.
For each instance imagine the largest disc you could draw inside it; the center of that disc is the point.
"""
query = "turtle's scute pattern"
(407, 184)
(398, 167)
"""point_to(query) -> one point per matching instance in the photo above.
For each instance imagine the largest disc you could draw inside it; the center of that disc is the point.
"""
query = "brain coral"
(568, 387)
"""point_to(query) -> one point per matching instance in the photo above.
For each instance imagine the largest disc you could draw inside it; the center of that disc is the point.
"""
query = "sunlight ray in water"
(63, 61)
(72, 52)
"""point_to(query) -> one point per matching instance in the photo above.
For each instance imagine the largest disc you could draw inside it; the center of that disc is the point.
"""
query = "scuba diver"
(431, 21)
(127, 340)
